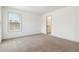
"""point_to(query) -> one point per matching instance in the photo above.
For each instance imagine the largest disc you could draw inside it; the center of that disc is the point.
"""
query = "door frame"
(46, 24)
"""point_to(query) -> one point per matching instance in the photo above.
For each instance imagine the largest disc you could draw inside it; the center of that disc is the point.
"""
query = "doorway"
(48, 24)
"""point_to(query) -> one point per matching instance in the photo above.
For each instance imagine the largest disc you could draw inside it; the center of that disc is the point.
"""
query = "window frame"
(16, 30)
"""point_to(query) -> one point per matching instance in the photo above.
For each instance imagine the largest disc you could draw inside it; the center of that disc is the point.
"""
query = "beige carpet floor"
(38, 43)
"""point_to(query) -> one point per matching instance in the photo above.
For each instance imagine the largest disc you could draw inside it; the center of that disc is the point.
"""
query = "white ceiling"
(38, 9)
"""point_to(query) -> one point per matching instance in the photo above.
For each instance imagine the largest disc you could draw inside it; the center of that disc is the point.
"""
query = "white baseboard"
(20, 36)
(66, 38)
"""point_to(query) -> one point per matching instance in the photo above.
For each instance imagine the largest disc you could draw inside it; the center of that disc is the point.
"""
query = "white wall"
(77, 23)
(0, 23)
(65, 23)
(31, 23)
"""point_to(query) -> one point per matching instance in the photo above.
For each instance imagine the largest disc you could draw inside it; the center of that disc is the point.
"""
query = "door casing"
(47, 24)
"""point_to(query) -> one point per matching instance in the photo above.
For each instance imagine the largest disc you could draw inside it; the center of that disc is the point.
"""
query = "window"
(14, 21)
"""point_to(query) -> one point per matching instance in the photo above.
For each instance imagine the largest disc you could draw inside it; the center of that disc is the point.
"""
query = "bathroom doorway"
(48, 24)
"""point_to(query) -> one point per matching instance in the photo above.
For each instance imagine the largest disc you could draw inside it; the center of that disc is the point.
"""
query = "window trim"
(20, 30)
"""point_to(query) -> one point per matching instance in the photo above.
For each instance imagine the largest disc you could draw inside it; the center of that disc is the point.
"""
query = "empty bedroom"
(39, 29)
